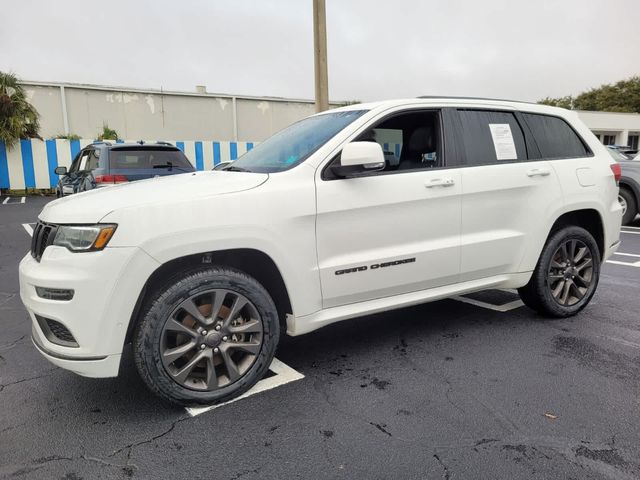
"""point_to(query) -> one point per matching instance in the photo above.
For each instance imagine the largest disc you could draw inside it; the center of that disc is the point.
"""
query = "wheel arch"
(253, 262)
(589, 219)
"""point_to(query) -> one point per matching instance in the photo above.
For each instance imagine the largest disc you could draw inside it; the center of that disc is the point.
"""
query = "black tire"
(161, 307)
(632, 206)
(538, 294)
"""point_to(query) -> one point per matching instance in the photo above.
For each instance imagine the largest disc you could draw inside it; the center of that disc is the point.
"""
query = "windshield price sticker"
(503, 141)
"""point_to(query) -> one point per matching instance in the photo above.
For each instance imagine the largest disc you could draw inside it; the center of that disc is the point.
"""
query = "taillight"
(617, 171)
(111, 178)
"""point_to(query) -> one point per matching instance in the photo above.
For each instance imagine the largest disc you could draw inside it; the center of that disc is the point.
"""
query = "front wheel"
(566, 276)
(207, 338)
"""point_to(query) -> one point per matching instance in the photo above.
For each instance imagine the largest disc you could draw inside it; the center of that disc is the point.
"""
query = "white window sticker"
(503, 141)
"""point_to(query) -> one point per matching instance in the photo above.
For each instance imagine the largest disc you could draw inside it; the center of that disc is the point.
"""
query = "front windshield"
(294, 144)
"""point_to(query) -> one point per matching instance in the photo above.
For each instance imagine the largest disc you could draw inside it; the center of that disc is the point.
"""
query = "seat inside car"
(420, 151)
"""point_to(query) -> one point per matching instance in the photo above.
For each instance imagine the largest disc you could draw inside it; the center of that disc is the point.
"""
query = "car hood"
(92, 206)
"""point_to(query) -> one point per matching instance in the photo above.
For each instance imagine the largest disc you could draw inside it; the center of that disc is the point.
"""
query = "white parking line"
(283, 374)
(6, 201)
(626, 264)
(497, 308)
(28, 228)
(623, 254)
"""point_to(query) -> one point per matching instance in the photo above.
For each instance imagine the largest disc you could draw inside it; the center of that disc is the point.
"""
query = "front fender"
(285, 234)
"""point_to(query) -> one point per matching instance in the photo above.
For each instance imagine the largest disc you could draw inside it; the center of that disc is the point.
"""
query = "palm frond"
(18, 118)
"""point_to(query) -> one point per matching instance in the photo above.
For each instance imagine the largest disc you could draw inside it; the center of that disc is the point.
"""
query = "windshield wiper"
(233, 168)
(170, 165)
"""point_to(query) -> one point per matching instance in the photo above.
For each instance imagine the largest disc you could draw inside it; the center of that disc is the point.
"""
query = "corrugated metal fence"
(32, 162)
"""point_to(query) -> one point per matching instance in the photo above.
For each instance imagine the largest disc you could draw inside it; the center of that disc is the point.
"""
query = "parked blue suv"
(102, 163)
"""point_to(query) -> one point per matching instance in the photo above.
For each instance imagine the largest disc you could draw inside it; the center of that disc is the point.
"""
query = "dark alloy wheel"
(206, 337)
(566, 276)
(211, 339)
(570, 272)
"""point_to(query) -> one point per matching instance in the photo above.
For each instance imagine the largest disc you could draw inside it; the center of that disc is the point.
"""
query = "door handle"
(538, 172)
(440, 182)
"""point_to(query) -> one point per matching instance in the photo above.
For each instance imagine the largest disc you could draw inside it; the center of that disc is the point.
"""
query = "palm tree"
(18, 118)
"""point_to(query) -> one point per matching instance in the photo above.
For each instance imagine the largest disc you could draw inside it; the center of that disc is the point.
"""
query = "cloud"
(510, 49)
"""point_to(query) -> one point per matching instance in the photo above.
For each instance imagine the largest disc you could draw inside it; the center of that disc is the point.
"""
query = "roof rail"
(471, 98)
(161, 142)
(101, 141)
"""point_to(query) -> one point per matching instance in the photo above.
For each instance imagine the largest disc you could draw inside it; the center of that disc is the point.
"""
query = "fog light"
(54, 293)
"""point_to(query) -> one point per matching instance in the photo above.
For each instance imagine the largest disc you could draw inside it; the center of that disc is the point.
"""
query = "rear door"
(128, 164)
(507, 198)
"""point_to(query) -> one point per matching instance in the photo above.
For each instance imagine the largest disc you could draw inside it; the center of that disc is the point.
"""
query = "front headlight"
(84, 238)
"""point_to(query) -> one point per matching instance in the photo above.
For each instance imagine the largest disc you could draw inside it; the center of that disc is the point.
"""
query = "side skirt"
(309, 323)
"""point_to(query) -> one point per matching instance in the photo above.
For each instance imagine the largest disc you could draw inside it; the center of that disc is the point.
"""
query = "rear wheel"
(207, 338)
(629, 206)
(566, 276)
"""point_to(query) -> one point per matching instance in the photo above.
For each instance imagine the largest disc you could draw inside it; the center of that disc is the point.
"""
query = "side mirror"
(358, 158)
(60, 170)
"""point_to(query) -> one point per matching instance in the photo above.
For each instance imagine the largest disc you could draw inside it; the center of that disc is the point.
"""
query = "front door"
(395, 231)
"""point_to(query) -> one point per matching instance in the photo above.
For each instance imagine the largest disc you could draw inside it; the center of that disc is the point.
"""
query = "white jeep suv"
(346, 213)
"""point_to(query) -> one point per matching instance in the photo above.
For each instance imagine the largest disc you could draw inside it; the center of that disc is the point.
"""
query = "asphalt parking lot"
(477, 387)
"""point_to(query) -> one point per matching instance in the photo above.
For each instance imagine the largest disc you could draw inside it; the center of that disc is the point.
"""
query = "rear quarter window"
(555, 137)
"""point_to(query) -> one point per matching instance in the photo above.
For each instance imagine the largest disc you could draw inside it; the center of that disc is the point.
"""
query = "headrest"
(422, 140)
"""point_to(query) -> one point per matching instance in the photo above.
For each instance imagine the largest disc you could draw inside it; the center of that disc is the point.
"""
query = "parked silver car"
(629, 194)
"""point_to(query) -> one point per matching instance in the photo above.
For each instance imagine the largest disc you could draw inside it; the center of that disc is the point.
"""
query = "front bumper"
(87, 367)
(610, 251)
(106, 287)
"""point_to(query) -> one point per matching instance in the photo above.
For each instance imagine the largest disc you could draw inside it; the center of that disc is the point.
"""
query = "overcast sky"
(521, 49)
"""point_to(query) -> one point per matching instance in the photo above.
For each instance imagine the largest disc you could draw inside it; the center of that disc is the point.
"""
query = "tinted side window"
(555, 138)
(410, 141)
(93, 162)
(85, 161)
(491, 137)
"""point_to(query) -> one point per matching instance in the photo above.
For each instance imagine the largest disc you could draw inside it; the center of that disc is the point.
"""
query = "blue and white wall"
(31, 163)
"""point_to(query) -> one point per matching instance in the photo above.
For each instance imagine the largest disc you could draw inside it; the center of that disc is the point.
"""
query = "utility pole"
(320, 55)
